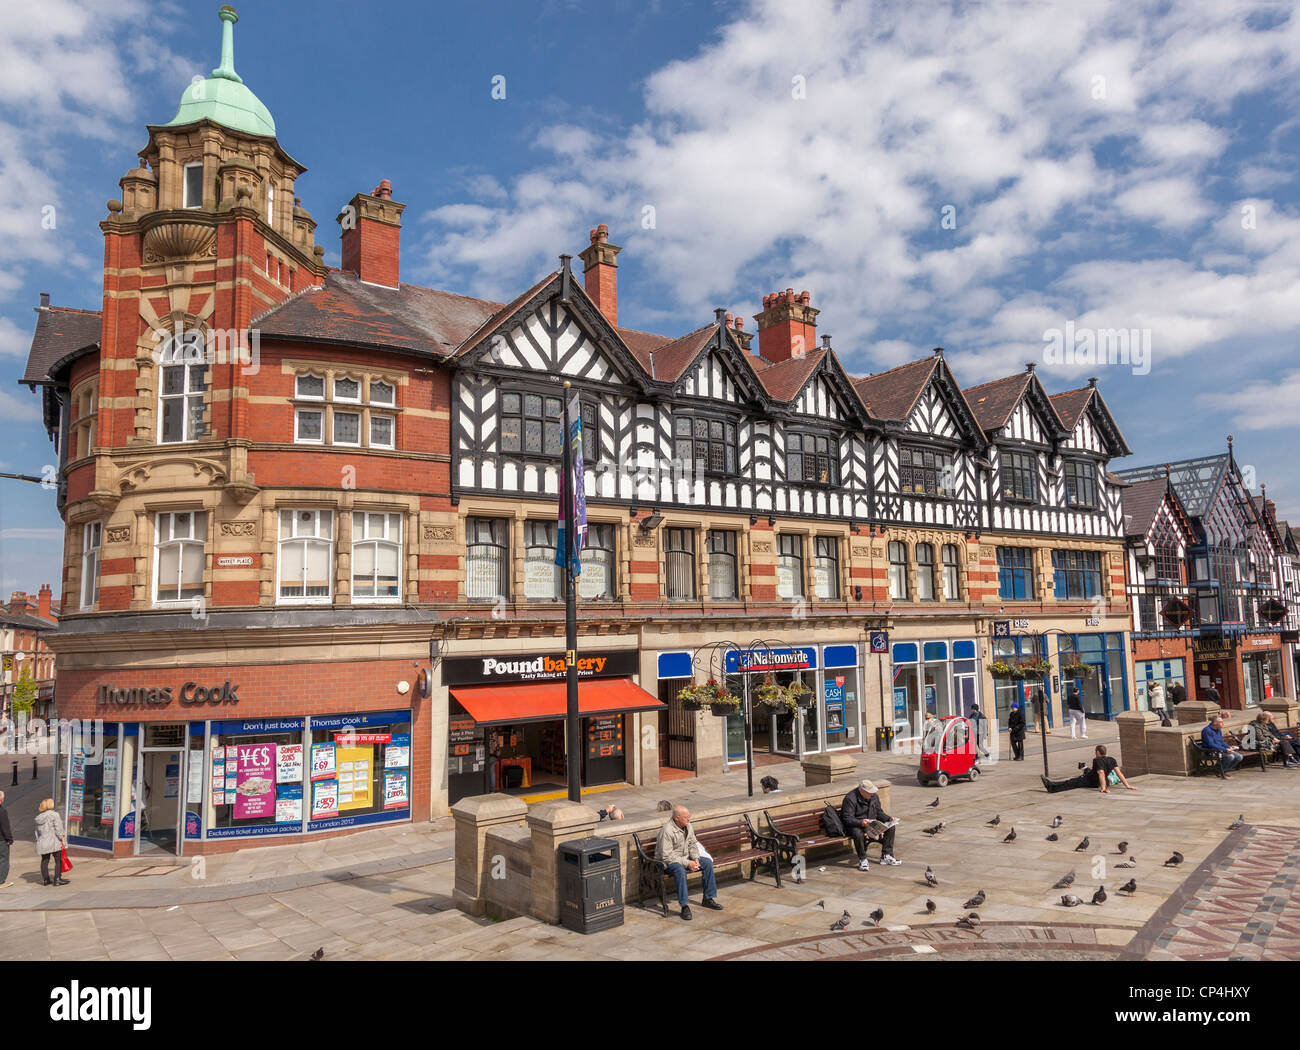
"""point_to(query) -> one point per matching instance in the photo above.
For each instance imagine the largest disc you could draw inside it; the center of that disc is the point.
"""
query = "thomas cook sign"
(190, 693)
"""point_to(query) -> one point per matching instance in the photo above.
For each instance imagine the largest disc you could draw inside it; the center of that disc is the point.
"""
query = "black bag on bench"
(831, 822)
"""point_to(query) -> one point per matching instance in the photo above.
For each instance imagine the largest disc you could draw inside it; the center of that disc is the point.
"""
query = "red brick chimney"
(787, 327)
(43, 602)
(18, 602)
(372, 233)
(600, 272)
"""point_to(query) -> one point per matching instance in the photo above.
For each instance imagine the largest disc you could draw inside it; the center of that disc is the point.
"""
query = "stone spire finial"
(226, 70)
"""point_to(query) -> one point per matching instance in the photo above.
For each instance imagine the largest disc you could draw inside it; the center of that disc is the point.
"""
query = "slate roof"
(1071, 403)
(1141, 501)
(60, 331)
(26, 621)
(993, 402)
(893, 394)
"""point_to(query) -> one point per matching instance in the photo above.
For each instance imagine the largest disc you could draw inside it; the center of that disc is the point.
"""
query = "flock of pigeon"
(971, 919)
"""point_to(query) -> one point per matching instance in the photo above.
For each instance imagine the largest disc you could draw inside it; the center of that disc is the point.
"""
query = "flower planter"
(723, 710)
(692, 705)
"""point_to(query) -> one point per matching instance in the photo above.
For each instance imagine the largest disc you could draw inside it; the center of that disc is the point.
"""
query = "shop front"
(1020, 668)
(1163, 674)
(169, 787)
(507, 721)
(938, 676)
(1261, 668)
(1094, 663)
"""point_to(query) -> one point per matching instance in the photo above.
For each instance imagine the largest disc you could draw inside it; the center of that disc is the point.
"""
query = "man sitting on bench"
(679, 849)
(1212, 740)
(860, 807)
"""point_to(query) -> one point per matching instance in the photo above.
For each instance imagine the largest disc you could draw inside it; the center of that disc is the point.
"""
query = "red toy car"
(947, 751)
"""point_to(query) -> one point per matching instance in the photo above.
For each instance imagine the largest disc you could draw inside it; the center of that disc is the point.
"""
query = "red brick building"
(25, 625)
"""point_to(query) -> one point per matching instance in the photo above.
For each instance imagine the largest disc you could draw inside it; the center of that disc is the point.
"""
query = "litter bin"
(884, 738)
(591, 885)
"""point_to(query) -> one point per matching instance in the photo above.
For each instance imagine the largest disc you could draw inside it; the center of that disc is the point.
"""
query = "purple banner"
(255, 782)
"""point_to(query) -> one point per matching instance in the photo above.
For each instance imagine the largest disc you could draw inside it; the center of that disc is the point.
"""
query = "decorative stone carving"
(643, 540)
(118, 534)
(238, 528)
(877, 550)
(179, 240)
(762, 546)
(439, 533)
(861, 550)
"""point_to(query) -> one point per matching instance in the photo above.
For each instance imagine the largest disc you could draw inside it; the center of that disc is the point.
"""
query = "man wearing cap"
(860, 807)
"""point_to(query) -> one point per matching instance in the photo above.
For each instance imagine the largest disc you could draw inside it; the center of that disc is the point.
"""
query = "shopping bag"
(65, 865)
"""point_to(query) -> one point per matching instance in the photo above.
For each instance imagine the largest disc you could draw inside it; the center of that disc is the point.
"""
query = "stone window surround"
(81, 428)
(325, 404)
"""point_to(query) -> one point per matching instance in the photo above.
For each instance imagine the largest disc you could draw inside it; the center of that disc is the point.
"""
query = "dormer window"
(1019, 477)
(1080, 483)
(192, 188)
(810, 458)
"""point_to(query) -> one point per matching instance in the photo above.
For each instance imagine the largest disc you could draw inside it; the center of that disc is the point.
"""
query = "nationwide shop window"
(679, 564)
(1165, 673)
(93, 783)
(92, 534)
(789, 566)
(178, 556)
(810, 458)
(925, 471)
(1105, 689)
(306, 555)
(951, 573)
(359, 770)
(931, 676)
(1077, 574)
(709, 445)
(840, 696)
(826, 568)
(376, 556)
(1019, 472)
(487, 559)
(925, 572)
(596, 583)
(722, 564)
(898, 571)
(1015, 572)
(543, 579)
(1020, 649)
(1080, 483)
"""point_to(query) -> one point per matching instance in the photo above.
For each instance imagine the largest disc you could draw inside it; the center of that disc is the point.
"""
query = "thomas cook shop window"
(178, 556)
(93, 785)
(257, 778)
(360, 769)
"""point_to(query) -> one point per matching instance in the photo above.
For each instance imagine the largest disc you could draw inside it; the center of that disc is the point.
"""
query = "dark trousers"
(860, 842)
(1086, 780)
(1017, 748)
(1283, 744)
(679, 873)
(4, 862)
(46, 860)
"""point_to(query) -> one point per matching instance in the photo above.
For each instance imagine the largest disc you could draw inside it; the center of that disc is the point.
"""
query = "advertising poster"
(395, 796)
(172, 780)
(108, 801)
(397, 755)
(288, 803)
(77, 774)
(76, 801)
(324, 799)
(323, 762)
(194, 779)
(193, 825)
(355, 777)
(900, 702)
(254, 781)
(288, 764)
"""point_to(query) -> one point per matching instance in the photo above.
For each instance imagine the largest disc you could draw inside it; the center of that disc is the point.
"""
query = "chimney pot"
(727, 319)
(805, 297)
(600, 235)
(371, 246)
(384, 191)
(600, 272)
(45, 299)
(1092, 381)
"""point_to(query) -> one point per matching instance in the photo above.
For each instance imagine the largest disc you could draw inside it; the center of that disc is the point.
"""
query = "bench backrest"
(805, 823)
(719, 841)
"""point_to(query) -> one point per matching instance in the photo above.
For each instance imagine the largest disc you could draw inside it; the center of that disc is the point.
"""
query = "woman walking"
(1078, 717)
(50, 838)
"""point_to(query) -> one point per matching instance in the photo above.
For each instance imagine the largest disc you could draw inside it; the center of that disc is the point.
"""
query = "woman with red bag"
(50, 838)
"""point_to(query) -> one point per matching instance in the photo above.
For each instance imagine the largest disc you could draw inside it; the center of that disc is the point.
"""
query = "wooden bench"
(1207, 760)
(730, 845)
(799, 832)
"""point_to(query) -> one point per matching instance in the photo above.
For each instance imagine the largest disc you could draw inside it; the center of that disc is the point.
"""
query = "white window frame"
(92, 545)
(334, 423)
(347, 400)
(270, 203)
(307, 542)
(392, 400)
(297, 426)
(361, 537)
(185, 185)
(198, 535)
(392, 436)
(171, 349)
(300, 396)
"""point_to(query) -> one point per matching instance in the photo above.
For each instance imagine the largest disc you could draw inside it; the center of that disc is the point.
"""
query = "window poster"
(288, 764)
(288, 803)
(254, 781)
(194, 779)
(77, 782)
(171, 780)
(395, 792)
(108, 801)
(355, 777)
(323, 762)
(397, 755)
(324, 799)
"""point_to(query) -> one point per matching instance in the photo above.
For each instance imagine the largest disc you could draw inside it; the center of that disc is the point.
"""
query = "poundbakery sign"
(191, 693)
(536, 667)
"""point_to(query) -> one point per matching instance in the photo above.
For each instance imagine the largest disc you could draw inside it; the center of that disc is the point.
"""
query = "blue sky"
(971, 176)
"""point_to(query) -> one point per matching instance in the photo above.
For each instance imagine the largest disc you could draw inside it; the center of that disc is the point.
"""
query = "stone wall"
(1148, 747)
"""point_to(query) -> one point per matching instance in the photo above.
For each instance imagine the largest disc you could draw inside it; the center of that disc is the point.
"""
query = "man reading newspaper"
(864, 819)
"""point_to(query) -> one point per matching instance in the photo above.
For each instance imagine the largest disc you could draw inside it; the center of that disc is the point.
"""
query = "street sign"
(880, 641)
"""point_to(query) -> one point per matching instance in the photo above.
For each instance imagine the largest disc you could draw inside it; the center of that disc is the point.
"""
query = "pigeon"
(975, 901)
(930, 906)
(822, 905)
(1175, 860)
(877, 915)
(1239, 822)
(1053, 837)
(1122, 847)
(965, 923)
(930, 876)
(1129, 887)
(1070, 900)
(1011, 837)
(1100, 896)
(1082, 845)
(841, 922)
(973, 918)
(1057, 822)
(934, 830)
(1065, 881)
(1130, 863)
(995, 821)
(934, 804)
(318, 955)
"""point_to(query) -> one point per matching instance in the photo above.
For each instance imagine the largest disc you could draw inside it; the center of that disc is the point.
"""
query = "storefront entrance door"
(1095, 688)
(160, 801)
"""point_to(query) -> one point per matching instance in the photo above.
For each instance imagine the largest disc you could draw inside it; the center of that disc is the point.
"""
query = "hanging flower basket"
(1002, 669)
(712, 695)
(790, 698)
(1078, 670)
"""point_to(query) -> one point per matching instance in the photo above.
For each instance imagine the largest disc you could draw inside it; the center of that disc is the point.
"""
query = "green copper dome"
(223, 98)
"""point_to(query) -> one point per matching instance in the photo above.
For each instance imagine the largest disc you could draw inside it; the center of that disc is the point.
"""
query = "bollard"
(15, 780)
(34, 774)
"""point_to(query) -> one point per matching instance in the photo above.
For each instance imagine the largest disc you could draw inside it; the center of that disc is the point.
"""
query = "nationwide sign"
(750, 661)
(537, 667)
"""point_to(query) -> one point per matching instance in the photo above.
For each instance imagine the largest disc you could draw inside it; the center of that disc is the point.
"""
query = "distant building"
(25, 626)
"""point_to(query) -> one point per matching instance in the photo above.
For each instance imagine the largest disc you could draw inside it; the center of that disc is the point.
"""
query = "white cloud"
(14, 341)
(1172, 202)
(22, 409)
(1262, 405)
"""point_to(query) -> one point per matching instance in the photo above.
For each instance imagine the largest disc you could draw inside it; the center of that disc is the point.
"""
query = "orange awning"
(546, 701)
